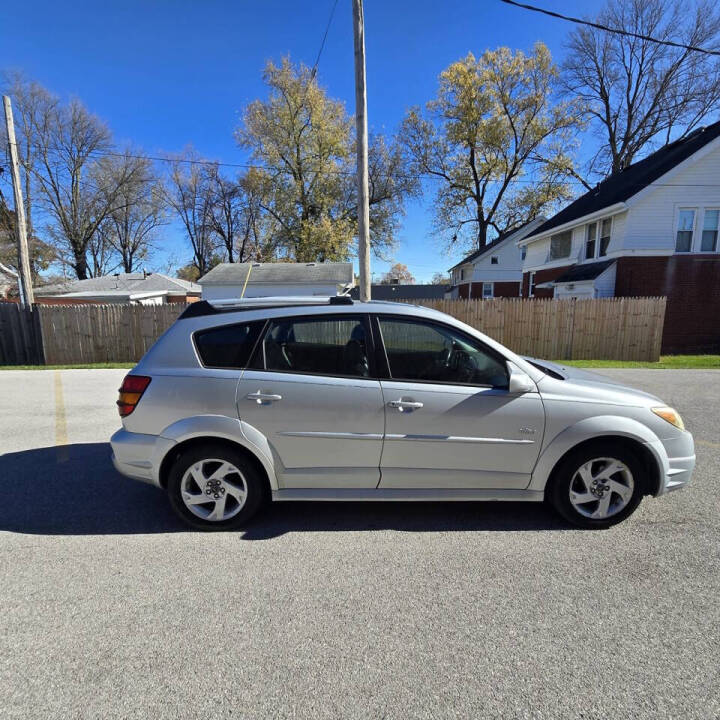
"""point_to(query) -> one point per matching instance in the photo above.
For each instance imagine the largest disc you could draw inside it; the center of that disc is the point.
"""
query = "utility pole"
(362, 151)
(24, 282)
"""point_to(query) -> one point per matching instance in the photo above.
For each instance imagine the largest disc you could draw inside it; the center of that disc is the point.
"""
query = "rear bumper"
(139, 456)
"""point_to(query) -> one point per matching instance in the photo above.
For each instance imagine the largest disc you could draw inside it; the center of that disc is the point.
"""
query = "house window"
(605, 228)
(523, 252)
(685, 227)
(560, 245)
(462, 274)
(494, 260)
(593, 247)
(487, 290)
(590, 236)
(710, 231)
(531, 285)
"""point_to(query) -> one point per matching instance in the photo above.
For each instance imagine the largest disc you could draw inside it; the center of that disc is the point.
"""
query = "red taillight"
(130, 393)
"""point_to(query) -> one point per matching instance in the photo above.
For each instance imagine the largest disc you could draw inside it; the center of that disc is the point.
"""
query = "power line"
(322, 44)
(605, 28)
(350, 173)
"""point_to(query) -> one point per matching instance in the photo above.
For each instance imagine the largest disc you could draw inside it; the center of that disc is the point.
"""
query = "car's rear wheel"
(598, 485)
(212, 487)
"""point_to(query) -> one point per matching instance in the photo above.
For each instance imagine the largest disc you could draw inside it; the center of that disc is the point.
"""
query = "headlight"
(670, 415)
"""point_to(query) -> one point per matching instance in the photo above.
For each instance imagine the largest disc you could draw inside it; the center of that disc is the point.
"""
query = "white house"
(496, 269)
(141, 288)
(234, 280)
(649, 230)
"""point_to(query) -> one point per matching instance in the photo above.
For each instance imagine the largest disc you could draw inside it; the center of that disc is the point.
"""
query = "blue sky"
(166, 74)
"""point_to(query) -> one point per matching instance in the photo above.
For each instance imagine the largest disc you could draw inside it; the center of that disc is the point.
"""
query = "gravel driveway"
(110, 608)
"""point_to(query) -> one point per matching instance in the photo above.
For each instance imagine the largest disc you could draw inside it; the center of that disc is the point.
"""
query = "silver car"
(242, 402)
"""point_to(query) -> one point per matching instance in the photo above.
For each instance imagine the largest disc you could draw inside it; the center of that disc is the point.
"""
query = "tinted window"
(228, 346)
(320, 346)
(436, 353)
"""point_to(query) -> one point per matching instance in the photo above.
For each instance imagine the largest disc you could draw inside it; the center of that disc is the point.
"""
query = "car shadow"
(74, 490)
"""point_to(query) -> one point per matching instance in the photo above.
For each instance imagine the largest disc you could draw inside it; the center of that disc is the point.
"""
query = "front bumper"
(139, 456)
(677, 457)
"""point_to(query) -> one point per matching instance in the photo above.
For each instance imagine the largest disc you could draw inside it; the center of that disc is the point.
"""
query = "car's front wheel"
(212, 487)
(598, 486)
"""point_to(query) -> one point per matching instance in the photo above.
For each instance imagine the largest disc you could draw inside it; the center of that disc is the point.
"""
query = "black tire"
(255, 485)
(558, 490)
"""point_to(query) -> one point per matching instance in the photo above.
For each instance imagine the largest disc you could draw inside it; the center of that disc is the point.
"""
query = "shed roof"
(340, 273)
(404, 292)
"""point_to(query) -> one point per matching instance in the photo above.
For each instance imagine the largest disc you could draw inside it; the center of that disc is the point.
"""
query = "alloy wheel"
(213, 489)
(601, 488)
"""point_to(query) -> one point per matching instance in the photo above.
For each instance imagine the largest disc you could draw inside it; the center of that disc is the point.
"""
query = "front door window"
(423, 352)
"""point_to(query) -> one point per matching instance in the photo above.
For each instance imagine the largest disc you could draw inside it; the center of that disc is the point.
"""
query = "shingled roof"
(584, 271)
(340, 273)
(520, 232)
(628, 182)
(130, 282)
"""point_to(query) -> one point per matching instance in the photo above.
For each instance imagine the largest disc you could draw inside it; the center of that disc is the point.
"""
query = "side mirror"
(519, 382)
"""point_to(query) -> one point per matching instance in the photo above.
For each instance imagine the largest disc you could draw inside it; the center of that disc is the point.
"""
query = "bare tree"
(637, 93)
(33, 108)
(70, 178)
(191, 195)
(138, 208)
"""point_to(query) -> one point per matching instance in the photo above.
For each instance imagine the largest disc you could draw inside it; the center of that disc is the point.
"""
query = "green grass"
(667, 362)
(89, 366)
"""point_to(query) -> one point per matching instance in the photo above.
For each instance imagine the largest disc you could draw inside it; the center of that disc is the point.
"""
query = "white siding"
(508, 268)
(605, 283)
(651, 221)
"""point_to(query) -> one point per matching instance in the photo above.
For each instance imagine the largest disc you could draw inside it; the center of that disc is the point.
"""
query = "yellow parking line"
(61, 438)
(707, 443)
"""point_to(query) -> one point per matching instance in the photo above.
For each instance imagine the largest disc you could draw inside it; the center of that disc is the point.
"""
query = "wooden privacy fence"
(602, 329)
(20, 335)
(593, 329)
(103, 333)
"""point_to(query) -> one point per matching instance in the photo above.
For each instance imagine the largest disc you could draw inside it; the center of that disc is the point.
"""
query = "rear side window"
(334, 345)
(228, 346)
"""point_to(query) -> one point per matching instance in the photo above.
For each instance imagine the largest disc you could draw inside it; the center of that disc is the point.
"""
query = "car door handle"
(261, 397)
(403, 405)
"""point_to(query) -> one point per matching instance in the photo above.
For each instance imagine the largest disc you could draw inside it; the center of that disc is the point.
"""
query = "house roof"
(279, 273)
(125, 282)
(404, 292)
(519, 232)
(583, 271)
(634, 178)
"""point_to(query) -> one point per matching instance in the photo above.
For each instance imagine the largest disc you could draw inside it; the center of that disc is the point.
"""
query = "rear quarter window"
(229, 346)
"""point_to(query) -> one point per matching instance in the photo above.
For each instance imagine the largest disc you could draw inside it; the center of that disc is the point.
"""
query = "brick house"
(651, 229)
(496, 269)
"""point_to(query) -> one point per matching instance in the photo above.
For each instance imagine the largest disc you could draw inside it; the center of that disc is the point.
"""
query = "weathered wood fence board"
(102, 333)
(593, 329)
(20, 336)
(602, 329)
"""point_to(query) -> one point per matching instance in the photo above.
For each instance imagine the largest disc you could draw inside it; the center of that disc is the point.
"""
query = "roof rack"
(206, 307)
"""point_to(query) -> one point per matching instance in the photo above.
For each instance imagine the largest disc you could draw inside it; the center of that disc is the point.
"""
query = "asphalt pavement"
(110, 608)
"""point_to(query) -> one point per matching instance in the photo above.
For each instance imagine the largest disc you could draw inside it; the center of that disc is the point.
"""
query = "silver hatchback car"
(240, 402)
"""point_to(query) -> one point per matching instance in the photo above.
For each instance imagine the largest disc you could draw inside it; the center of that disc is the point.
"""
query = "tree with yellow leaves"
(303, 142)
(498, 142)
